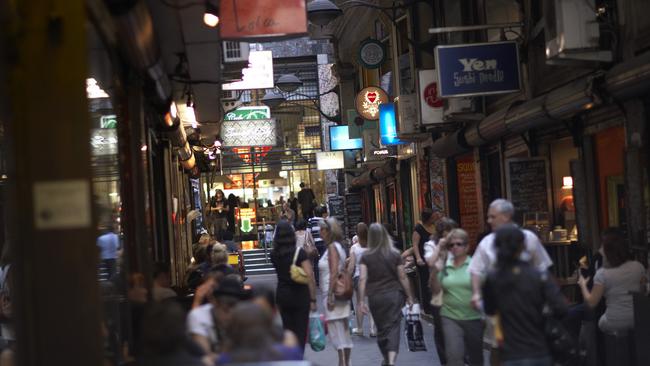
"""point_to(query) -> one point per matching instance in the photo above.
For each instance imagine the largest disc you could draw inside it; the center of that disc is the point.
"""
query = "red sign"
(468, 197)
(431, 96)
(262, 18)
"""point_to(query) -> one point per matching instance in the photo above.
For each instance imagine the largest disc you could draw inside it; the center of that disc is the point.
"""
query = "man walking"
(314, 228)
(306, 199)
(501, 212)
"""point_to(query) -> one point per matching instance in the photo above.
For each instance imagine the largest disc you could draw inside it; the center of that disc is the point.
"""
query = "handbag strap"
(341, 268)
(295, 256)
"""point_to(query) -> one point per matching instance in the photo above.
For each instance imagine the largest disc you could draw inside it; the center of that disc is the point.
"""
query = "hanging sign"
(328, 160)
(368, 101)
(262, 19)
(478, 69)
(258, 74)
(372, 53)
(431, 104)
(257, 132)
(388, 125)
(254, 112)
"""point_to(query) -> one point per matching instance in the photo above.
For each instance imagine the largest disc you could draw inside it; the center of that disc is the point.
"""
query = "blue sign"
(478, 69)
(340, 139)
(388, 125)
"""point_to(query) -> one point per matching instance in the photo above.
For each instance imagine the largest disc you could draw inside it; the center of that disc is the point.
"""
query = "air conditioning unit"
(235, 51)
(466, 109)
(572, 32)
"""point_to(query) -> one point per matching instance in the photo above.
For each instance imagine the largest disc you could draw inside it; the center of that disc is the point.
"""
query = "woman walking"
(461, 323)
(356, 251)
(518, 292)
(421, 234)
(435, 254)
(383, 279)
(294, 300)
(337, 312)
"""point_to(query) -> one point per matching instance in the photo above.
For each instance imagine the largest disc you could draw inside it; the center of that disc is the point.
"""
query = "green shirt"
(457, 292)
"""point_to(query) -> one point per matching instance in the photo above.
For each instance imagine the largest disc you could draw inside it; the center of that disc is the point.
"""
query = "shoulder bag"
(309, 247)
(298, 274)
(343, 288)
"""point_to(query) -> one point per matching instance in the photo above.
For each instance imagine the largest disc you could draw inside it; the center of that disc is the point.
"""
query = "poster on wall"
(529, 189)
(467, 196)
(437, 177)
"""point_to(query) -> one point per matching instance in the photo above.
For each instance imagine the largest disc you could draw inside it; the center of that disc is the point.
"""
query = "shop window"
(562, 152)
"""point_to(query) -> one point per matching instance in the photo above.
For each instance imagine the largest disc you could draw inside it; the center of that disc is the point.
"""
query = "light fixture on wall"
(211, 15)
(288, 83)
(567, 182)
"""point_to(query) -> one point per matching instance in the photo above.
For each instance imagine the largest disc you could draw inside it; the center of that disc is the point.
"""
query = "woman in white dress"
(337, 312)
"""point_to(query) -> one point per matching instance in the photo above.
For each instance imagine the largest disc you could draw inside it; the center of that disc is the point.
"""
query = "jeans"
(463, 337)
(540, 361)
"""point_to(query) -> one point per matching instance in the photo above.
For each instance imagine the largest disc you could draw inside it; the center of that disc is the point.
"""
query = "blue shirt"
(108, 244)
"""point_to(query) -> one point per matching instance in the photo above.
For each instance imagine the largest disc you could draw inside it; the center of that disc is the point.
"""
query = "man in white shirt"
(501, 212)
(205, 323)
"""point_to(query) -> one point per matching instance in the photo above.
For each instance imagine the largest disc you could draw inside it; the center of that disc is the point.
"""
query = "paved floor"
(365, 351)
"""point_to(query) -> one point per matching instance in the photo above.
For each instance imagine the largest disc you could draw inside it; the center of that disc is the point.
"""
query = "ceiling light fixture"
(322, 12)
(273, 99)
(288, 83)
(211, 15)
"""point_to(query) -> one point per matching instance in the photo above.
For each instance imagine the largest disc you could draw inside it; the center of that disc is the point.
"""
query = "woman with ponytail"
(518, 292)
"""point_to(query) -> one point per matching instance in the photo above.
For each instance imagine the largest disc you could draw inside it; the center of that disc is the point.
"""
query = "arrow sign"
(246, 224)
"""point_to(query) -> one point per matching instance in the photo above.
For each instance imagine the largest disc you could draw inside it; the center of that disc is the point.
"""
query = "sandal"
(357, 331)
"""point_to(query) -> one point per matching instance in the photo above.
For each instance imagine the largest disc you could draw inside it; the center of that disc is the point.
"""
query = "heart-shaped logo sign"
(371, 96)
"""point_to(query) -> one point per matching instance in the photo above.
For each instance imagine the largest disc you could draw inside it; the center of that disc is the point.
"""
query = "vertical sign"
(468, 196)
(431, 104)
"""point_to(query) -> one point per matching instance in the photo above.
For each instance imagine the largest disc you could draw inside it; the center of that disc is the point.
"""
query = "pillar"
(54, 291)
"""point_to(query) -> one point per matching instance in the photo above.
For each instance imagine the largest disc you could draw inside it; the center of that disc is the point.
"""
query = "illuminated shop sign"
(478, 69)
(258, 132)
(388, 125)
(255, 112)
(340, 139)
(368, 101)
(328, 160)
(258, 74)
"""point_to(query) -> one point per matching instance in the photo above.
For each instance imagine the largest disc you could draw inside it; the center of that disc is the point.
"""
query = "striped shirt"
(315, 230)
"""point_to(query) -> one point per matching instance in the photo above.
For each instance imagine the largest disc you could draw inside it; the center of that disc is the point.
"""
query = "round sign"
(372, 53)
(368, 100)
(430, 96)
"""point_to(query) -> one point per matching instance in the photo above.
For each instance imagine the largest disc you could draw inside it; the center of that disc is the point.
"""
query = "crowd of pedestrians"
(498, 300)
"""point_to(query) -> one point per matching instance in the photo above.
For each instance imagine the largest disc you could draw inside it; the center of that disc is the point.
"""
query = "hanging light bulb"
(211, 15)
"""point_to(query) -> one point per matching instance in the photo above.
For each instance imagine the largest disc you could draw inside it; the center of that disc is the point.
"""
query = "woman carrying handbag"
(337, 309)
(296, 290)
(305, 240)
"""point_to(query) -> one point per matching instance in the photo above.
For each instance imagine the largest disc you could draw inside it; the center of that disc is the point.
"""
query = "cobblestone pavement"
(365, 351)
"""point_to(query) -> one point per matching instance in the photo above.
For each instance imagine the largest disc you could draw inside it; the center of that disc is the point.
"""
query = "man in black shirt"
(306, 199)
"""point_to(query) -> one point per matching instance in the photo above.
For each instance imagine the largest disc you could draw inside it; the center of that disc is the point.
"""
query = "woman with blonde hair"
(382, 275)
(462, 325)
(337, 312)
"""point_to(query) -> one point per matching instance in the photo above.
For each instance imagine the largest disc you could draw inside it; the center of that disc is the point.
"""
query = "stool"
(619, 349)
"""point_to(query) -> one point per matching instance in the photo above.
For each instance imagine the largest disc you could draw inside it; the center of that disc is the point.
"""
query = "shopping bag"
(414, 334)
(317, 340)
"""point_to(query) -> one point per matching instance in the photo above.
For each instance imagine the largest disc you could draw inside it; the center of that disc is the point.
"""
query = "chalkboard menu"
(336, 207)
(528, 185)
(353, 213)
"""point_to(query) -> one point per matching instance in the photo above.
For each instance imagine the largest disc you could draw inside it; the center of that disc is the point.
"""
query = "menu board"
(336, 207)
(528, 185)
(468, 196)
(353, 213)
